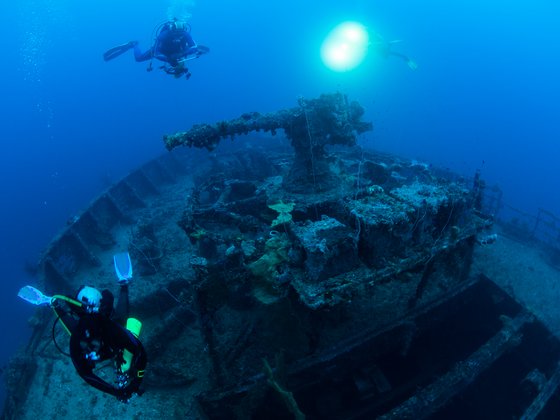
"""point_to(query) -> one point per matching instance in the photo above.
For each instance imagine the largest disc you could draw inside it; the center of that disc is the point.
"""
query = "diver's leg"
(142, 56)
(121, 312)
(399, 55)
(410, 63)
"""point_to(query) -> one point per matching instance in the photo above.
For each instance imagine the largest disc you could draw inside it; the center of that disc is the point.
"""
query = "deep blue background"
(486, 90)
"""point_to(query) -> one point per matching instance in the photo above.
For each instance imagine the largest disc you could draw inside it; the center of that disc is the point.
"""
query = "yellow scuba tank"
(134, 326)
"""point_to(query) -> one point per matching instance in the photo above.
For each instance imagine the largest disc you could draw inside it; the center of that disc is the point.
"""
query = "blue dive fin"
(34, 296)
(116, 51)
(123, 266)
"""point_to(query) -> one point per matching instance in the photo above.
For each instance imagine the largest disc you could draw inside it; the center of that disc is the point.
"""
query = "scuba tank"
(134, 326)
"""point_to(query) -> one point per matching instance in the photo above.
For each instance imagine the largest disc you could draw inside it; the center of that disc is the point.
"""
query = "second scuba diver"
(384, 48)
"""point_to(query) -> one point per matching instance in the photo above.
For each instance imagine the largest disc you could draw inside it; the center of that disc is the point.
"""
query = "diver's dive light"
(345, 47)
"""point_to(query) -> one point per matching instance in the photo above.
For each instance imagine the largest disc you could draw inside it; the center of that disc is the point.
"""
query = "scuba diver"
(99, 333)
(383, 48)
(173, 45)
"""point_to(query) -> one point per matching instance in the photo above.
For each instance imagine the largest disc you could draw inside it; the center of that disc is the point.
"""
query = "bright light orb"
(345, 47)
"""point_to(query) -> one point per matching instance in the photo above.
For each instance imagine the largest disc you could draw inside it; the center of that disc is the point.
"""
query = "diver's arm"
(122, 394)
(137, 368)
(190, 40)
(98, 383)
(63, 311)
(85, 366)
(192, 47)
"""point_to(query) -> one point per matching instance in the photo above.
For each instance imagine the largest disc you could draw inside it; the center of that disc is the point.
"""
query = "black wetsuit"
(171, 46)
(99, 336)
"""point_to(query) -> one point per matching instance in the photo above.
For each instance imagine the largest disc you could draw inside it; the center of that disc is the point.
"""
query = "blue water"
(485, 96)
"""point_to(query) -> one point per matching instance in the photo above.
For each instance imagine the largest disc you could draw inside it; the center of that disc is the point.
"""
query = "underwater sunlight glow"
(345, 46)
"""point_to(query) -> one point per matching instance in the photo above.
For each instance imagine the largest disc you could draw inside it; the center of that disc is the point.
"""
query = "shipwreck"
(293, 274)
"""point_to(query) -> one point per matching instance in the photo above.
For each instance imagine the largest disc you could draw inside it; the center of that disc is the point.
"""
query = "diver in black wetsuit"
(98, 334)
(173, 45)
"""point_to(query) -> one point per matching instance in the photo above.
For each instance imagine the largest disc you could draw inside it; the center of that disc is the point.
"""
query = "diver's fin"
(411, 64)
(123, 267)
(34, 296)
(118, 50)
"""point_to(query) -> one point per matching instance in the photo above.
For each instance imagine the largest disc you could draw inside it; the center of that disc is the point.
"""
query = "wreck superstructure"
(276, 282)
